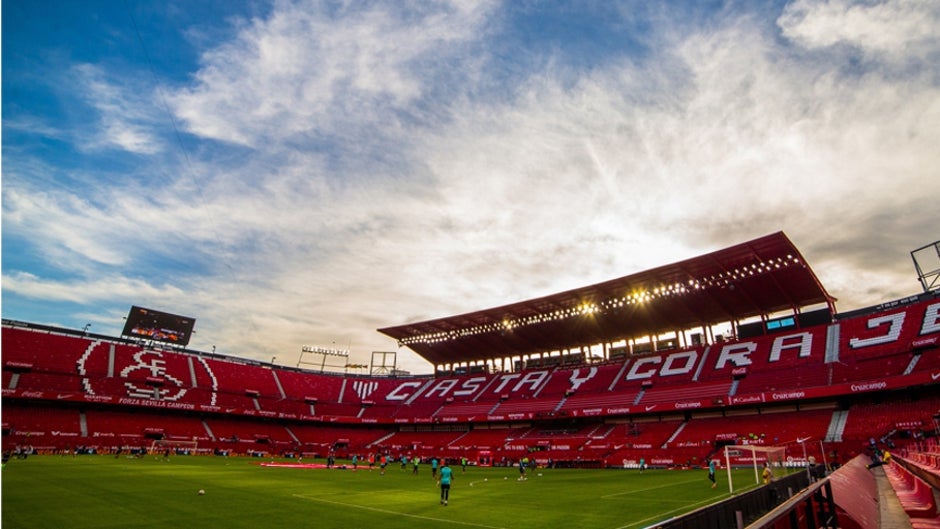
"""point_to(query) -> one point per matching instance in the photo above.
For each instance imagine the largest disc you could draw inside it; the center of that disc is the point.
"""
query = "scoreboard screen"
(159, 326)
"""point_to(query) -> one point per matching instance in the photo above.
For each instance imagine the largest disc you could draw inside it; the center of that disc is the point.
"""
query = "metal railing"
(752, 507)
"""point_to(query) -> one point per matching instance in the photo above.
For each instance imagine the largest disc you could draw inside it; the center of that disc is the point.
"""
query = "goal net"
(160, 446)
(756, 456)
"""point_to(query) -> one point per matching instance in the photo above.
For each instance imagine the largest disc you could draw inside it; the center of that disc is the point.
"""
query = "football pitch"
(93, 491)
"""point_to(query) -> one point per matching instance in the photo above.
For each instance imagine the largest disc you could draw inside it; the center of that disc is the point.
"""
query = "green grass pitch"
(105, 492)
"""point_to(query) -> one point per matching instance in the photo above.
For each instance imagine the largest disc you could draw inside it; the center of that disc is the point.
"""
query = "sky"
(298, 173)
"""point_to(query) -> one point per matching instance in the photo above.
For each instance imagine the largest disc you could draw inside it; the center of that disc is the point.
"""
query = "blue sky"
(306, 172)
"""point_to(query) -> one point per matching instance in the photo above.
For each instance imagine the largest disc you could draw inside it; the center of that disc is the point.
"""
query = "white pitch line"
(447, 521)
(660, 517)
(605, 496)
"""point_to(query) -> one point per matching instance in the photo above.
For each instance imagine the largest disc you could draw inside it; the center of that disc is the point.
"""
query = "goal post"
(753, 454)
(162, 445)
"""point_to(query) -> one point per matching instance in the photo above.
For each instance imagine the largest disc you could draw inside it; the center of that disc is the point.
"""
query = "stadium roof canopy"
(760, 277)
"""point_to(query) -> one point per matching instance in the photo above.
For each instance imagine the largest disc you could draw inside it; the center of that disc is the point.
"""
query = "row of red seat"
(872, 419)
(916, 496)
(929, 461)
(660, 443)
(871, 346)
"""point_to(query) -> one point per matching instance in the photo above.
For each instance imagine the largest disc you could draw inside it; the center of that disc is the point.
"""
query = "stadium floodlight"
(927, 263)
(324, 350)
(384, 363)
(324, 353)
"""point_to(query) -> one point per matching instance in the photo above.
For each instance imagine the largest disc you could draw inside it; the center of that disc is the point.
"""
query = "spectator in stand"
(711, 472)
(447, 476)
(880, 457)
(833, 460)
(812, 469)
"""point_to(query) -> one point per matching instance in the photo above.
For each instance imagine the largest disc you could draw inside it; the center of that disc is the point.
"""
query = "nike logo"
(934, 376)
(648, 408)
(61, 396)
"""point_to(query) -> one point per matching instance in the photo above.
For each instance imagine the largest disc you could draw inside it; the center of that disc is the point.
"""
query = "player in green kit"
(447, 476)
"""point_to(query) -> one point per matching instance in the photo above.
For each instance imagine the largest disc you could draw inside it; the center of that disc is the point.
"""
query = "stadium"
(738, 356)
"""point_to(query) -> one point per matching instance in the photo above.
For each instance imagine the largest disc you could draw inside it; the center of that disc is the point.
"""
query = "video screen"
(159, 326)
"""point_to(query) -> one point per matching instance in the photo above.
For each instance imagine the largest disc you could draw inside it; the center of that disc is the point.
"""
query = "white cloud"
(583, 184)
(103, 288)
(127, 112)
(33, 125)
(893, 29)
(61, 226)
(340, 217)
(312, 67)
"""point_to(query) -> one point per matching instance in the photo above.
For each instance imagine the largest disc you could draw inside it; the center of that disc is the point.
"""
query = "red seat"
(925, 523)
(915, 495)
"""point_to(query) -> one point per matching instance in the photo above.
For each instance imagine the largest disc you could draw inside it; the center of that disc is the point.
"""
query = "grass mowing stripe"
(446, 521)
(101, 492)
(647, 489)
(661, 516)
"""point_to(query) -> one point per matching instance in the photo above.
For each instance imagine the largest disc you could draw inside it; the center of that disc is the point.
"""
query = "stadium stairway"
(917, 498)
(292, 436)
(380, 440)
(866, 498)
(208, 430)
(83, 424)
(836, 426)
(676, 432)
(892, 514)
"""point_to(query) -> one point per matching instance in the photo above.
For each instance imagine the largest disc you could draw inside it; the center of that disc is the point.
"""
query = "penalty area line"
(447, 521)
